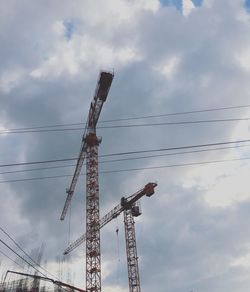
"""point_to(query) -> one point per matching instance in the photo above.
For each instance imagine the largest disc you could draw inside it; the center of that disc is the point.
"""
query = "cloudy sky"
(170, 58)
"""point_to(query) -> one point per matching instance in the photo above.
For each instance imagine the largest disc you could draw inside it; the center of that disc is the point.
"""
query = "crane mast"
(132, 258)
(131, 210)
(89, 149)
(93, 254)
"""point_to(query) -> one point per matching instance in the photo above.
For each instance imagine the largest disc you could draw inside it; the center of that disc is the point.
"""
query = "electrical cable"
(174, 123)
(22, 257)
(127, 126)
(34, 262)
(129, 169)
(176, 148)
(15, 262)
(37, 162)
(131, 152)
(134, 118)
(36, 169)
(175, 165)
(25, 261)
(17, 245)
(125, 159)
(178, 113)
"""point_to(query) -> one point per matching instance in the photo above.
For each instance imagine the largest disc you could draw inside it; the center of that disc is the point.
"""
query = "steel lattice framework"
(132, 258)
(93, 255)
(89, 150)
(127, 202)
(131, 210)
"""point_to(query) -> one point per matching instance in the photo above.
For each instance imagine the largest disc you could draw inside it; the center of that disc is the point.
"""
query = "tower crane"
(130, 210)
(89, 149)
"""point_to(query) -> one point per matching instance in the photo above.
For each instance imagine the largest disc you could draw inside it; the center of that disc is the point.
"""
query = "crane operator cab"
(136, 210)
(135, 207)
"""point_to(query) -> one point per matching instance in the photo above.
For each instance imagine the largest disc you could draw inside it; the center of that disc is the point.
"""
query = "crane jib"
(126, 203)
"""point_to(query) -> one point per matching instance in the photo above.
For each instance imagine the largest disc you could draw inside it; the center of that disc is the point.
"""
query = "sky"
(169, 58)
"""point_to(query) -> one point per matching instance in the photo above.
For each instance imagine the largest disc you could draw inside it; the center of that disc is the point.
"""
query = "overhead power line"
(27, 255)
(15, 262)
(128, 126)
(129, 169)
(37, 169)
(175, 123)
(37, 162)
(179, 113)
(131, 152)
(126, 159)
(22, 258)
(133, 118)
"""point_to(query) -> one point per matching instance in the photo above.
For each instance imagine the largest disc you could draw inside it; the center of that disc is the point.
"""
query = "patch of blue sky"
(247, 5)
(69, 29)
(197, 2)
(178, 3)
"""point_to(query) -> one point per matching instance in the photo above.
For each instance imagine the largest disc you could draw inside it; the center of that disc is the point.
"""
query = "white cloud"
(242, 261)
(169, 67)
(81, 52)
(229, 188)
(244, 58)
(58, 28)
(187, 7)
(9, 79)
(63, 61)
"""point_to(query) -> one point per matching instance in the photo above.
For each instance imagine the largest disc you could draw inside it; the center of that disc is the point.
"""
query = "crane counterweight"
(149, 189)
(103, 85)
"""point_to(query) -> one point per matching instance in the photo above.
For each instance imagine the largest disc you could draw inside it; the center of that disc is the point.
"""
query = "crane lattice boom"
(130, 210)
(100, 96)
(126, 203)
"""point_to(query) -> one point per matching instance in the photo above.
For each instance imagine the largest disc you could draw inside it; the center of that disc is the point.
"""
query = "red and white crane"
(89, 149)
(130, 210)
